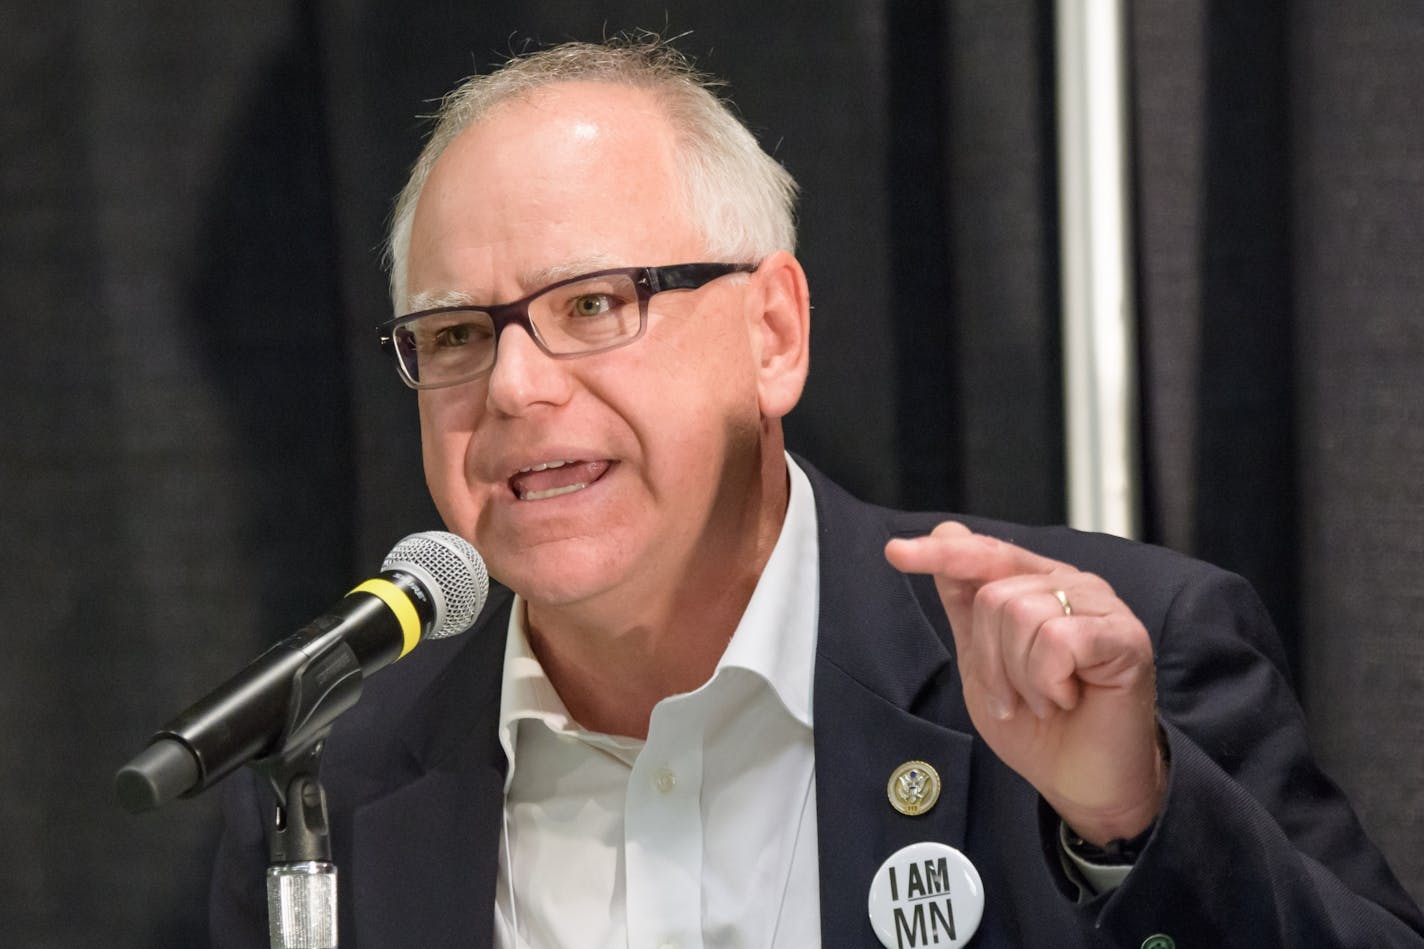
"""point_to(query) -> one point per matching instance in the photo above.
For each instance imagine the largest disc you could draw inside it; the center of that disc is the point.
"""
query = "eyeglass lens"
(584, 316)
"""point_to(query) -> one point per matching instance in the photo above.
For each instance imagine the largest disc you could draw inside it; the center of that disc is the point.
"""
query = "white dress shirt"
(702, 836)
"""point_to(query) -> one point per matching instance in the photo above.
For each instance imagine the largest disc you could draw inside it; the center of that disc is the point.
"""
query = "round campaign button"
(926, 894)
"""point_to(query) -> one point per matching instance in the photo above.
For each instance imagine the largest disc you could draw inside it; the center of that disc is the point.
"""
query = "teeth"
(552, 492)
(545, 466)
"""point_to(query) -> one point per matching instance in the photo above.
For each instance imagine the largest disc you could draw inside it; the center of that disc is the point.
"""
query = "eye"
(591, 304)
(457, 335)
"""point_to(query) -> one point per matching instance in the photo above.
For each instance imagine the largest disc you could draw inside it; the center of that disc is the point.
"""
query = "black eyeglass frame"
(647, 281)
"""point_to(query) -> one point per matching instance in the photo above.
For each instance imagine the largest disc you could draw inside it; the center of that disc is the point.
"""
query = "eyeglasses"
(592, 313)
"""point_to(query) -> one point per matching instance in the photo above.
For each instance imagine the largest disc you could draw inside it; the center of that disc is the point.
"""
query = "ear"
(779, 316)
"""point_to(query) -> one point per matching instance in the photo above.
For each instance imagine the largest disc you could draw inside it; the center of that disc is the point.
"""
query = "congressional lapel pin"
(926, 894)
(913, 788)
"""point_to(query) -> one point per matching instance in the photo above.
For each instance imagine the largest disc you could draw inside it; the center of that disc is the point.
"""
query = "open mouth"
(551, 479)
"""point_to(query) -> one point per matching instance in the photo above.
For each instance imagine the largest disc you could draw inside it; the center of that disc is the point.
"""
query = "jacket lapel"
(436, 835)
(881, 672)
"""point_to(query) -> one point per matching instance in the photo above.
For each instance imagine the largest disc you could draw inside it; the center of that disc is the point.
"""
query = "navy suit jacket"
(1255, 848)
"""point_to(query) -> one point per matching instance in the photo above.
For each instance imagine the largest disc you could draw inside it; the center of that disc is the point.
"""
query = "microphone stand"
(301, 879)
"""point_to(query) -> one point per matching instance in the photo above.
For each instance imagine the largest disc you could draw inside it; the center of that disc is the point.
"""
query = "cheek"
(445, 432)
(710, 356)
(449, 416)
(434, 435)
(700, 411)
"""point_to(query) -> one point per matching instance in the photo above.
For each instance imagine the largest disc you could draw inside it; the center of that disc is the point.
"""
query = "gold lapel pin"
(913, 788)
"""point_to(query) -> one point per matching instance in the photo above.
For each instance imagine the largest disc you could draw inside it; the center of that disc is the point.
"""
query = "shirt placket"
(664, 832)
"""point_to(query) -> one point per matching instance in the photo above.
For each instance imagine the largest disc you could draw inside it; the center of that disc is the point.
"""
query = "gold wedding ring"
(1062, 599)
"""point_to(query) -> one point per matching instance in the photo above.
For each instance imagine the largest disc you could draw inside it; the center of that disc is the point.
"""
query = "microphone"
(431, 585)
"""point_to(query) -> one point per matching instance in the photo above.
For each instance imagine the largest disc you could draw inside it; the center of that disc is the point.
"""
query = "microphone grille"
(457, 572)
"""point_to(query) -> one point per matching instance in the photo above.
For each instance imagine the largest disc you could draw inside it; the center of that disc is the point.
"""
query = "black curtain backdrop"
(203, 447)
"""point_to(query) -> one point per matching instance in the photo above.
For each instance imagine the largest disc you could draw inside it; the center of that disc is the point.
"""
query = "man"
(723, 693)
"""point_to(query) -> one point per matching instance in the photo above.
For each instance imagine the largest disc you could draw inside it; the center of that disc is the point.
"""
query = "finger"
(1051, 662)
(918, 555)
(1021, 623)
(1014, 612)
(1112, 651)
(993, 623)
(1107, 652)
(952, 551)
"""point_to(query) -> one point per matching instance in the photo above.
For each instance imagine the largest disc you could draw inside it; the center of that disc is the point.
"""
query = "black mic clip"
(301, 877)
(324, 687)
(297, 827)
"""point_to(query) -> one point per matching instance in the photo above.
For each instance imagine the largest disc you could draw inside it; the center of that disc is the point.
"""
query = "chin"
(556, 576)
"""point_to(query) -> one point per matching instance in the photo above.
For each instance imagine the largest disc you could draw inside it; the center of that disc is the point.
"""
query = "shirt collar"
(774, 640)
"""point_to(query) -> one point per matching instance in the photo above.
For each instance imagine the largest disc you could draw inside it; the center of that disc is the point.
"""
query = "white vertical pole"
(1099, 338)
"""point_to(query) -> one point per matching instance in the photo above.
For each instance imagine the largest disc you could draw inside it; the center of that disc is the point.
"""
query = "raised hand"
(1058, 676)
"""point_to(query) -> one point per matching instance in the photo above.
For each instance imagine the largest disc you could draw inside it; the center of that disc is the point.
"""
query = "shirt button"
(665, 780)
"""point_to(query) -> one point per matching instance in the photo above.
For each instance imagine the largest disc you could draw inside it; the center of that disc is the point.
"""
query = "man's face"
(663, 432)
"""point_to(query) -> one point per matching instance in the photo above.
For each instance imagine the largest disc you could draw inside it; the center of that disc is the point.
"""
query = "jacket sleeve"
(1255, 846)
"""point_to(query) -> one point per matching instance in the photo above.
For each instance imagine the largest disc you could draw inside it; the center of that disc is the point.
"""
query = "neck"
(612, 661)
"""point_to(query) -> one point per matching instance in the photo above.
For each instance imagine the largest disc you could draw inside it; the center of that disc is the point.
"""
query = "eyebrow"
(532, 280)
(529, 280)
(434, 299)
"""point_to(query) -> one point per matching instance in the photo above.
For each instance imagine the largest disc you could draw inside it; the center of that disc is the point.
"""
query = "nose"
(524, 376)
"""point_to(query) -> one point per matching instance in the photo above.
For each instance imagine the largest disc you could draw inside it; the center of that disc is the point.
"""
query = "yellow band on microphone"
(399, 602)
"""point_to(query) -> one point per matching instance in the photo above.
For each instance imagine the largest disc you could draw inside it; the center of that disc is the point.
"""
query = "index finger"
(954, 552)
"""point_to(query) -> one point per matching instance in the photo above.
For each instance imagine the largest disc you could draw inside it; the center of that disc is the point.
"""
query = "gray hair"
(740, 197)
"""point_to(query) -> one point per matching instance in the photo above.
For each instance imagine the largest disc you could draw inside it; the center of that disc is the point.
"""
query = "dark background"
(202, 446)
